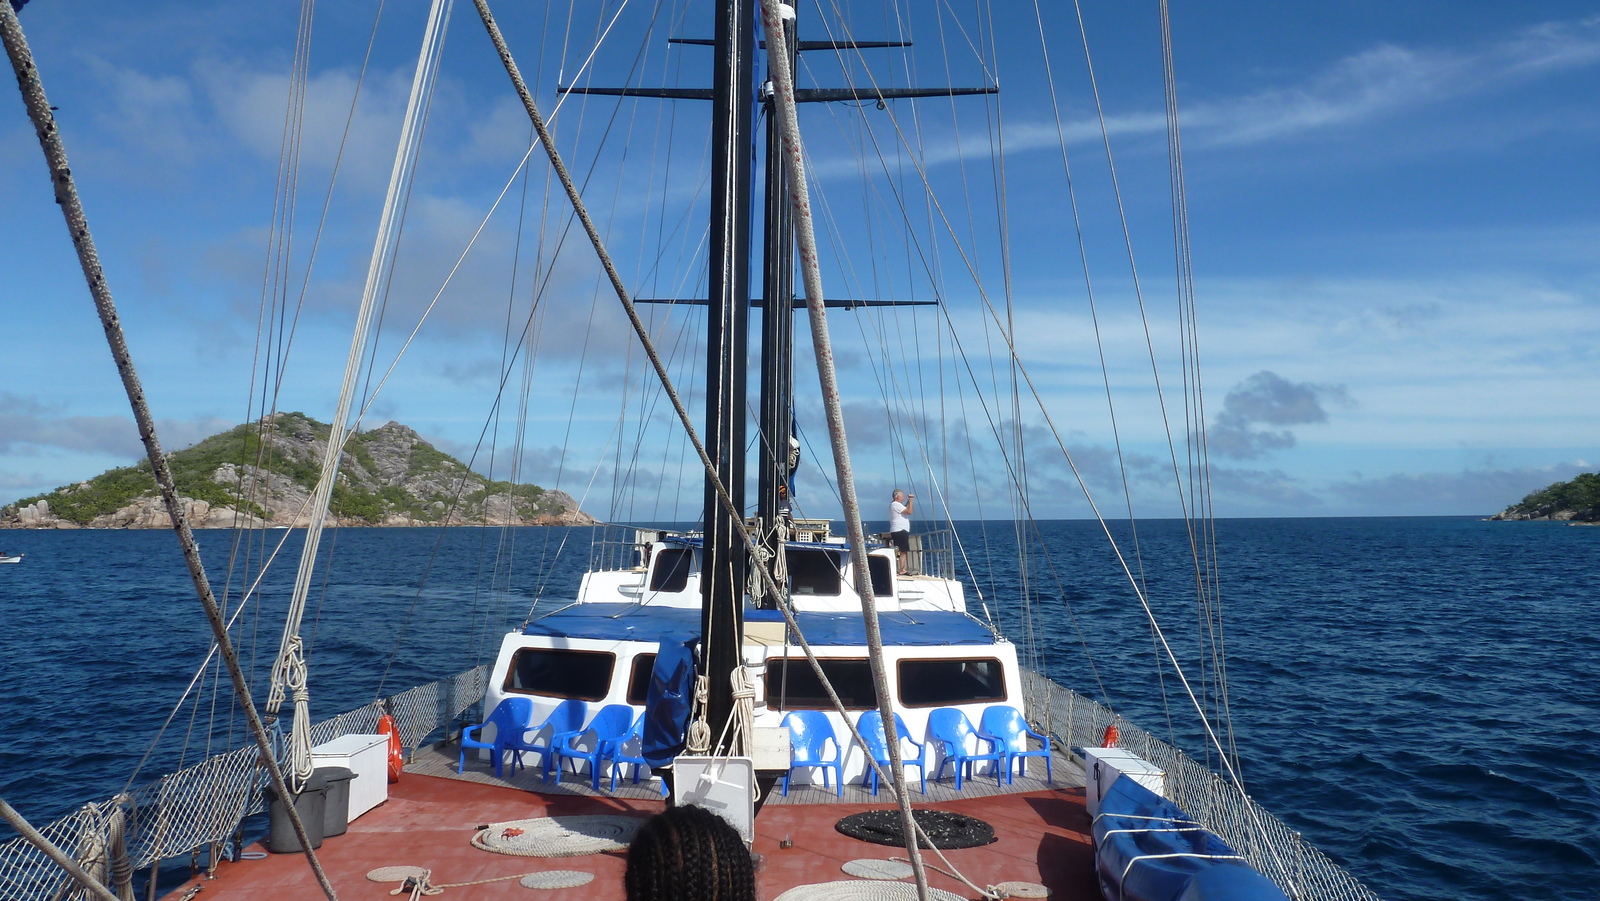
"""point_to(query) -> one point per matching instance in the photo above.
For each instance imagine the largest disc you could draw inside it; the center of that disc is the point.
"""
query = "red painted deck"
(428, 822)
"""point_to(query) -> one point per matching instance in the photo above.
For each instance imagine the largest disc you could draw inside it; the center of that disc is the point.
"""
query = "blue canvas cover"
(666, 705)
(1137, 826)
(645, 622)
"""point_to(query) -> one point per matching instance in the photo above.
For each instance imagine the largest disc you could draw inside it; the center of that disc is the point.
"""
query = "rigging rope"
(289, 670)
(66, 192)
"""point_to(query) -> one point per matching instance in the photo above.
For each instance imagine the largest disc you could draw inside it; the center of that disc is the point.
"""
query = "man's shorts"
(901, 540)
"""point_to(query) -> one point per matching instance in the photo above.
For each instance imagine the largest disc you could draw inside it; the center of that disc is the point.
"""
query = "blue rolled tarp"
(1147, 849)
(667, 702)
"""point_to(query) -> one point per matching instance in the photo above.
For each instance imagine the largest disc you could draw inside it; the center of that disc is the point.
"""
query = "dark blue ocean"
(1419, 697)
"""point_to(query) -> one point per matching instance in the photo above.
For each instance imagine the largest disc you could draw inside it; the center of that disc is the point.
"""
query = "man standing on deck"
(900, 525)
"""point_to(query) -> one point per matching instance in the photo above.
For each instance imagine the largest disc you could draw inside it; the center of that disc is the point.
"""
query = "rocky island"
(261, 475)
(1574, 501)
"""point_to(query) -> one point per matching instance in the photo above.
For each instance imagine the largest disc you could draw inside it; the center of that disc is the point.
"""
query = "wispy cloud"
(1389, 79)
(1485, 489)
(1381, 81)
(29, 425)
(1270, 492)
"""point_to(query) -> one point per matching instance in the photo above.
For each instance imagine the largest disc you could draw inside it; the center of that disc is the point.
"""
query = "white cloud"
(250, 105)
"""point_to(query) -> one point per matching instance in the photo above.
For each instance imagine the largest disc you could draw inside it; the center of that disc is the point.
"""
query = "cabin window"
(561, 673)
(882, 577)
(791, 684)
(813, 573)
(943, 681)
(671, 571)
(639, 679)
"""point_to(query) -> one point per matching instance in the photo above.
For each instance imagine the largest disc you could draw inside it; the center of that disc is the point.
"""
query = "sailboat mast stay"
(724, 561)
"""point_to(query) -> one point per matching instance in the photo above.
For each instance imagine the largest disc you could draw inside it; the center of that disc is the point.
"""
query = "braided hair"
(688, 853)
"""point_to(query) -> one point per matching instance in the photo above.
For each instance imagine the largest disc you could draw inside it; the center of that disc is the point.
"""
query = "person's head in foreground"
(688, 853)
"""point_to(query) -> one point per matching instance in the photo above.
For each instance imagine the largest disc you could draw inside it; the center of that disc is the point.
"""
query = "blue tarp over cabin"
(635, 622)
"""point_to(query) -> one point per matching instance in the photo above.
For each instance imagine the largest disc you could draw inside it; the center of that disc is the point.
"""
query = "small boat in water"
(10, 558)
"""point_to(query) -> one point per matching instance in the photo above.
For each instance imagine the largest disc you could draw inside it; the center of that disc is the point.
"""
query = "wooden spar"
(55, 155)
(782, 90)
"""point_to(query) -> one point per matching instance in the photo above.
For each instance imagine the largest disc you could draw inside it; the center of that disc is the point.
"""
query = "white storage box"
(368, 757)
(722, 785)
(1102, 766)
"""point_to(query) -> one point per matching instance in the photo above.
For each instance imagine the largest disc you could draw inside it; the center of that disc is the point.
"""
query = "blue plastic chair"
(951, 729)
(871, 726)
(564, 722)
(609, 725)
(1007, 728)
(509, 717)
(620, 757)
(809, 735)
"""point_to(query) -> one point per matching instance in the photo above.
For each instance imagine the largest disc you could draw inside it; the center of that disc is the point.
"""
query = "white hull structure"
(600, 649)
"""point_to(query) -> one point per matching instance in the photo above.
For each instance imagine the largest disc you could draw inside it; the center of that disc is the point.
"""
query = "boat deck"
(431, 816)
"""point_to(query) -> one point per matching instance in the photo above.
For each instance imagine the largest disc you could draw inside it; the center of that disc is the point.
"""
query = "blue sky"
(1395, 221)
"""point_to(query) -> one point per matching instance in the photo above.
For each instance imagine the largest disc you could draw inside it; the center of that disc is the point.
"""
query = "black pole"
(727, 349)
(777, 329)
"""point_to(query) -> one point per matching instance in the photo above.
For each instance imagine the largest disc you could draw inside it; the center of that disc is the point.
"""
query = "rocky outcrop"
(1515, 514)
(264, 475)
(1574, 501)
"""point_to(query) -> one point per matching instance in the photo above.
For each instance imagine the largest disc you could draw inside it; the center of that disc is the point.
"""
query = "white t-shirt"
(898, 520)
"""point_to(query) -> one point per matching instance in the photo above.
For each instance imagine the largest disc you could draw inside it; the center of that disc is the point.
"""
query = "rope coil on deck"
(872, 868)
(418, 881)
(568, 836)
(553, 879)
(863, 890)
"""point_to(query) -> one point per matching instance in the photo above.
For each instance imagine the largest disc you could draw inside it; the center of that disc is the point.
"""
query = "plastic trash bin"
(336, 813)
(311, 804)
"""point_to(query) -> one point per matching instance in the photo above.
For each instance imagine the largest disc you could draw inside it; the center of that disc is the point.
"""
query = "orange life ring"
(1108, 739)
(397, 761)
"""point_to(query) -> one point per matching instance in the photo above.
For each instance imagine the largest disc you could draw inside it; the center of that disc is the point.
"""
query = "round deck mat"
(556, 879)
(1021, 889)
(872, 868)
(863, 890)
(558, 836)
(394, 874)
(946, 830)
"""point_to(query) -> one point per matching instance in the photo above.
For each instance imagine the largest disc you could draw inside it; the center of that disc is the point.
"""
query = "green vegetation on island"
(1574, 501)
(262, 473)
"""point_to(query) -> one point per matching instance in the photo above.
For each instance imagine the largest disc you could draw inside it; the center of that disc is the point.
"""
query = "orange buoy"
(397, 761)
(1108, 739)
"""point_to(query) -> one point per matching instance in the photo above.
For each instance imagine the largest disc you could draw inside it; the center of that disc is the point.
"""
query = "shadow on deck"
(440, 760)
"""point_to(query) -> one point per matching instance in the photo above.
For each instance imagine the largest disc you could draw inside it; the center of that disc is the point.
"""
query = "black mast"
(723, 561)
(777, 329)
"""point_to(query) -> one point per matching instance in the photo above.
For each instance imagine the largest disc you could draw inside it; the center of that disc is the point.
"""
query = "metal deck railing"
(617, 547)
(203, 806)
